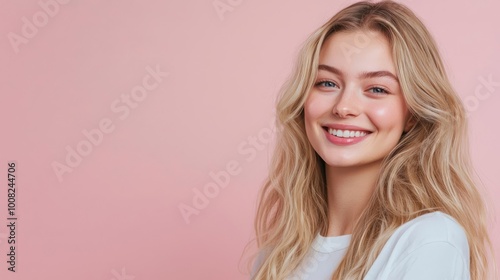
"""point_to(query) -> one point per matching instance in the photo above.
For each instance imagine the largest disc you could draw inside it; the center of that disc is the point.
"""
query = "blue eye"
(378, 90)
(326, 83)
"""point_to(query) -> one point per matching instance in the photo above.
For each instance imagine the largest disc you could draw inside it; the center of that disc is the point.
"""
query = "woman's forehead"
(355, 52)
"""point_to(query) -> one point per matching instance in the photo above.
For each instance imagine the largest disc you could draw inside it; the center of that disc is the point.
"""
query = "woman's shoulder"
(428, 233)
(432, 227)
(431, 246)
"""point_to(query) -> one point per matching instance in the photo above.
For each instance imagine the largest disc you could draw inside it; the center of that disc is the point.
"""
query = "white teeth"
(346, 133)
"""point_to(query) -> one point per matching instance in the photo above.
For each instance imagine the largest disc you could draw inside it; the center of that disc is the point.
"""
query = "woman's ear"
(410, 122)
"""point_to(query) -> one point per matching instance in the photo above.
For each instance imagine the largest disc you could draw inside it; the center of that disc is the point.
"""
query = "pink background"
(116, 215)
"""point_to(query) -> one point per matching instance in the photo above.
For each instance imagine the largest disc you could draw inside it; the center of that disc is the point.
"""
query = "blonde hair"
(429, 169)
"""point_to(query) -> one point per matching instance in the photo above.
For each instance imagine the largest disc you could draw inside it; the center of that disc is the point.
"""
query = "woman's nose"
(346, 104)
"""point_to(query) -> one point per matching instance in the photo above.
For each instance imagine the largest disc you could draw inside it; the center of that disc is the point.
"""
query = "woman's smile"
(355, 113)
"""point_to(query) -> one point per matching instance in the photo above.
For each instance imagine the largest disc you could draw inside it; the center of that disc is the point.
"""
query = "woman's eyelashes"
(379, 90)
(328, 84)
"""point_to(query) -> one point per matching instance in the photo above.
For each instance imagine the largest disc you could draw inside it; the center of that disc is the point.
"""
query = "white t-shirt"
(431, 247)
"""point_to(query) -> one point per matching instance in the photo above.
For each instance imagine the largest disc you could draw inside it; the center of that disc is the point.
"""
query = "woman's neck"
(349, 190)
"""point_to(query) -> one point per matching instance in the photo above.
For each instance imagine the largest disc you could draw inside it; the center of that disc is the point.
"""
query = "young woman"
(370, 178)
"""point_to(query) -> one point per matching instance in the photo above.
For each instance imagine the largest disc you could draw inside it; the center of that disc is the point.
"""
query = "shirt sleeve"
(432, 261)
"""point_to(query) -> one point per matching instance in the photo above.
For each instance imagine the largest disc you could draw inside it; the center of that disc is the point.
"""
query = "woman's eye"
(326, 84)
(378, 90)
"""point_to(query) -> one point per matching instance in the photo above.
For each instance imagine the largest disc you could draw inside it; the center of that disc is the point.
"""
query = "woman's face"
(355, 113)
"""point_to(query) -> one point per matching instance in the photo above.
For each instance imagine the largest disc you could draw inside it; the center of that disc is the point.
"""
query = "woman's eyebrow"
(330, 69)
(363, 75)
(376, 74)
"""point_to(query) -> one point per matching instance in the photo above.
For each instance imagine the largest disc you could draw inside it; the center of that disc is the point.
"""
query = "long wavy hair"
(428, 170)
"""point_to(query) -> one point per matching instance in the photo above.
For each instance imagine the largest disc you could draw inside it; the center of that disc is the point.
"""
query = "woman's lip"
(341, 141)
(345, 127)
(361, 130)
